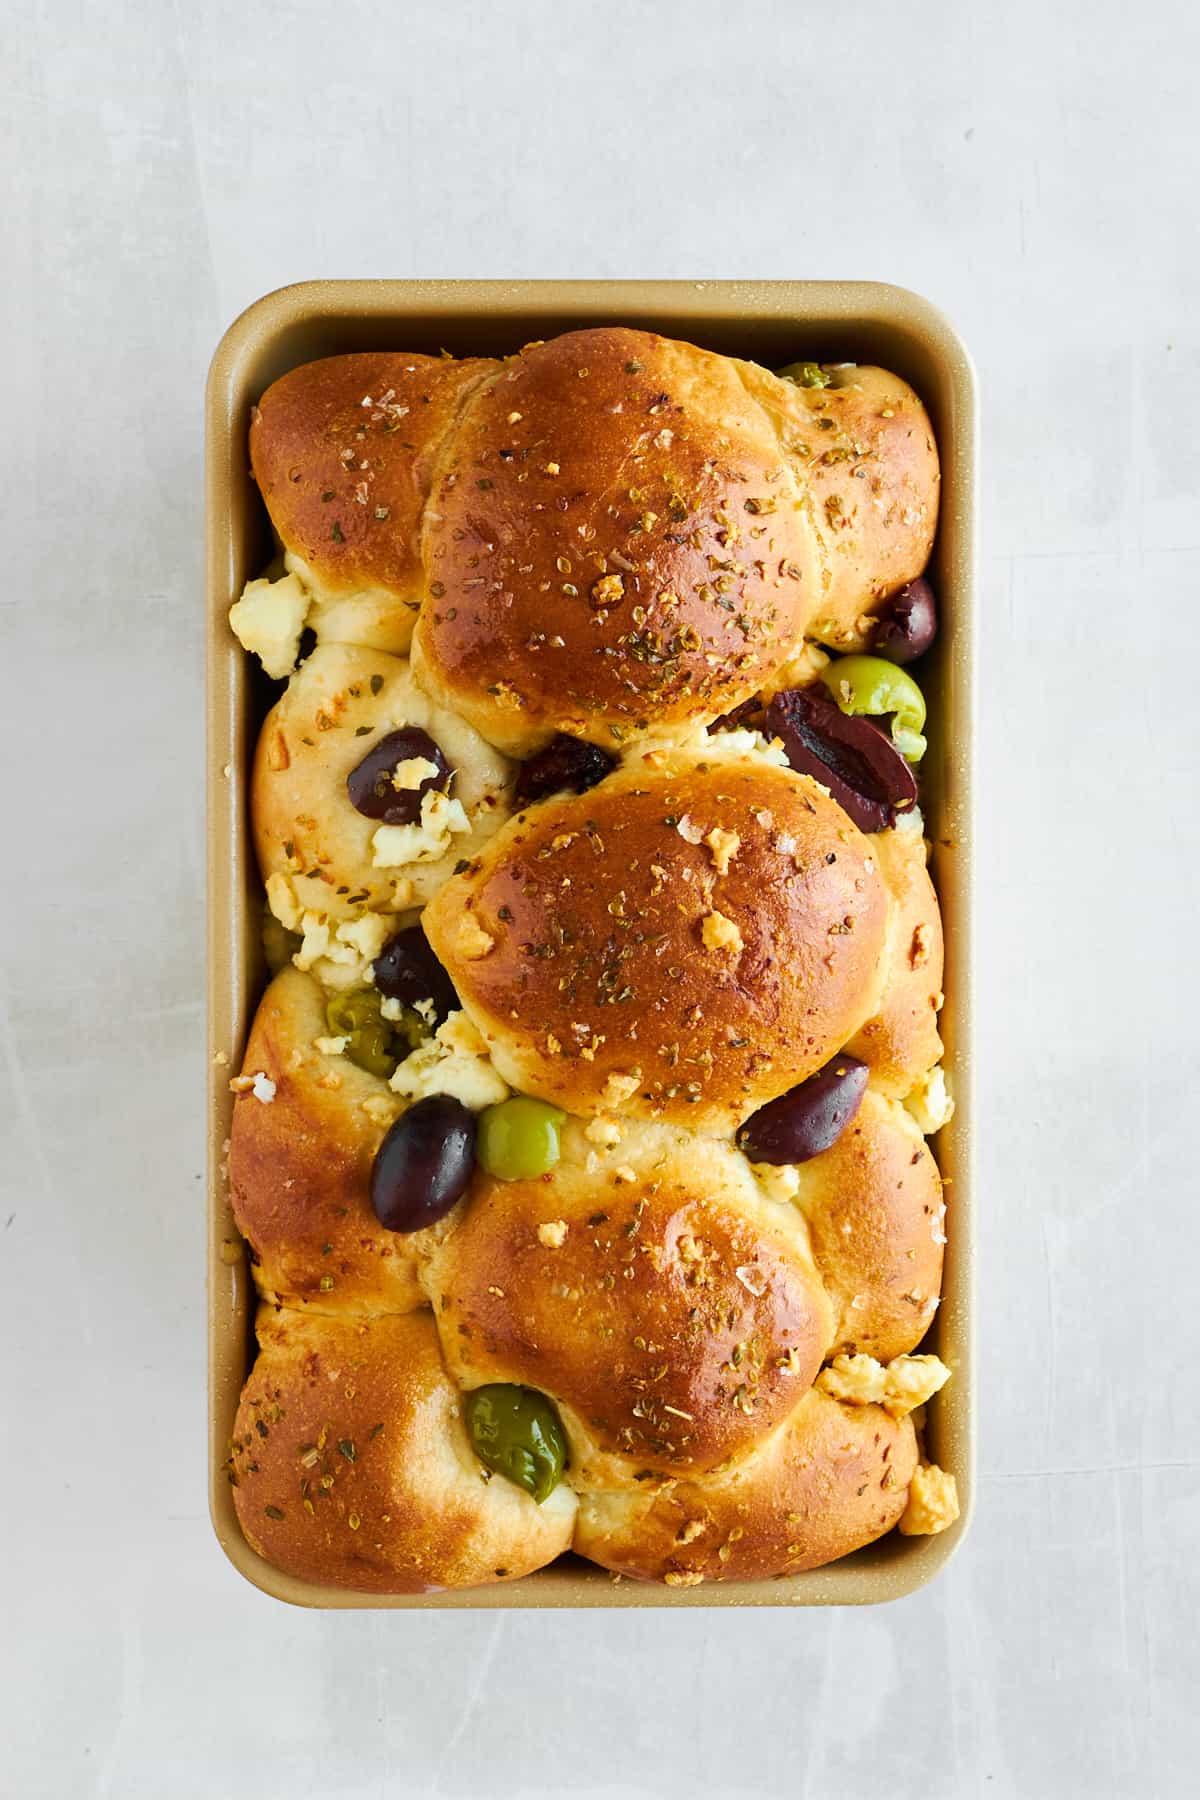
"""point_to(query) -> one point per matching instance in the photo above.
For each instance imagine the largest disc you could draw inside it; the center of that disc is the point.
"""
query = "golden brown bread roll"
(343, 451)
(300, 1165)
(901, 1043)
(828, 1480)
(874, 1206)
(614, 539)
(687, 941)
(623, 538)
(317, 853)
(863, 453)
(352, 1467)
(671, 1310)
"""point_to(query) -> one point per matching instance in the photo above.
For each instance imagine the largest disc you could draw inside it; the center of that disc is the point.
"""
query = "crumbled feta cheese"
(441, 818)
(263, 1088)
(471, 940)
(603, 1131)
(462, 1034)
(331, 1046)
(930, 1103)
(724, 846)
(779, 1181)
(281, 898)
(338, 953)
(552, 1233)
(899, 1386)
(268, 620)
(367, 934)
(720, 933)
(409, 774)
(455, 1061)
(932, 1502)
(620, 1088)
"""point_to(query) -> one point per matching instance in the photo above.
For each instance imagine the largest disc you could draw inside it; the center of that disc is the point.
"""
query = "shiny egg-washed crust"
(605, 920)
(352, 1466)
(832, 1478)
(873, 1202)
(609, 532)
(615, 538)
(300, 1167)
(339, 703)
(622, 537)
(343, 451)
(677, 1320)
(901, 1042)
(862, 452)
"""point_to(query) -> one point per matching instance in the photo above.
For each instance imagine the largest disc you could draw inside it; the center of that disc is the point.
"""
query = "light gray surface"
(1035, 175)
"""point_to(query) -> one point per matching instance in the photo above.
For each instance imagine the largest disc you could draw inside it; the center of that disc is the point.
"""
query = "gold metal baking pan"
(773, 322)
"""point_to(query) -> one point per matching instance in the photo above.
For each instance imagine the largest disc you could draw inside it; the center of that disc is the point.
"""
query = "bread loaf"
(571, 1143)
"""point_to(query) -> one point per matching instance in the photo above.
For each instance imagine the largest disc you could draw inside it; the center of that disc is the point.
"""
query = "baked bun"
(317, 851)
(300, 1165)
(614, 541)
(900, 1043)
(861, 450)
(352, 1466)
(688, 941)
(827, 1481)
(671, 1311)
(874, 1206)
(343, 451)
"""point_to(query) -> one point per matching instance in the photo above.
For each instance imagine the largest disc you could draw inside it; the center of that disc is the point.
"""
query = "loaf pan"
(772, 322)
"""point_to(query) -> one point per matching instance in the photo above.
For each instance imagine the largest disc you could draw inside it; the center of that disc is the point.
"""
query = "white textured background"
(1033, 169)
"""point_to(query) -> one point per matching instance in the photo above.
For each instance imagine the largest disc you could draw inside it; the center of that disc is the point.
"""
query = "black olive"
(565, 763)
(424, 1164)
(407, 970)
(908, 625)
(851, 756)
(807, 1119)
(370, 785)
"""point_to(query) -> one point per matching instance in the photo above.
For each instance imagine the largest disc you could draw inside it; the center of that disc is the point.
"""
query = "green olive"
(869, 685)
(805, 374)
(376, 1044)
(517, 1433)
(518, 1138)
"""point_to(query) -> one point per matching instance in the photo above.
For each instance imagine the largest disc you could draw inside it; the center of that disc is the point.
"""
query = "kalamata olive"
(371, 786)
(566, 762)
(423, 1164)
(516, 1432)
(862, 768)
(407, 970)
(746, 716)
(806, 1120)
(908, 624)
